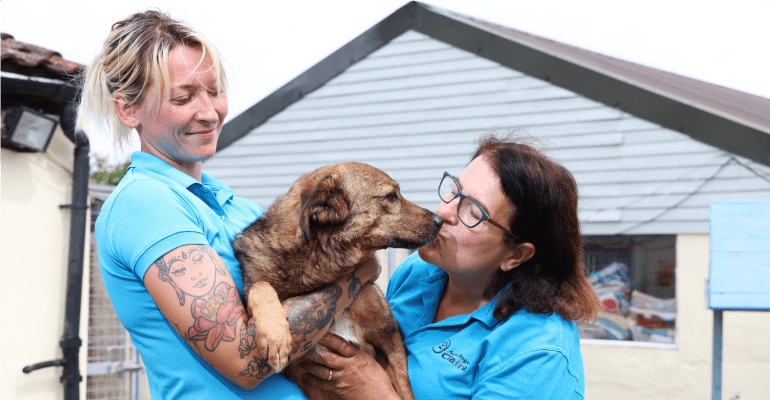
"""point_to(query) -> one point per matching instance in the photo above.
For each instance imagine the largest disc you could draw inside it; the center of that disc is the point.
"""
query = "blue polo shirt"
(527, 356)
(155, 209)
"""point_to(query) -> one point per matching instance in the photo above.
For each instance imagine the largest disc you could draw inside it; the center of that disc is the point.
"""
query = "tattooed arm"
(195, 292)
(311, 316)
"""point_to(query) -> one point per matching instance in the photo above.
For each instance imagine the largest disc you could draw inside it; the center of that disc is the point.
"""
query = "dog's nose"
(438, 221)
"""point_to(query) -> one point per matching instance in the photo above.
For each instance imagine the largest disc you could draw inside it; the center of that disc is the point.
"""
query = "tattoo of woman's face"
(193, 271)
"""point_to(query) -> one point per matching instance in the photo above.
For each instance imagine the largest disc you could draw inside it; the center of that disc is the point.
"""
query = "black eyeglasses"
(469, 211)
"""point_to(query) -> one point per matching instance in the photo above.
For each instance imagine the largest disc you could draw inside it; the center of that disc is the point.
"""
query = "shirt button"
(222, 217)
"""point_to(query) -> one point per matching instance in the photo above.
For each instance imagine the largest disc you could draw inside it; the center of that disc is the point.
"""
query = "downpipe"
(70, 342)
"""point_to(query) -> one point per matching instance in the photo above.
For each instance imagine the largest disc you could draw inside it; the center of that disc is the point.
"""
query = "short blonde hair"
(135, 57)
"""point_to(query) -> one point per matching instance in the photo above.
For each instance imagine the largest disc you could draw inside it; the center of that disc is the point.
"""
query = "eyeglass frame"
(484, 215)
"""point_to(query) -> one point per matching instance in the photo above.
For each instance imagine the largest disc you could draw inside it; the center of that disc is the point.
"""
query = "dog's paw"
(274, 344)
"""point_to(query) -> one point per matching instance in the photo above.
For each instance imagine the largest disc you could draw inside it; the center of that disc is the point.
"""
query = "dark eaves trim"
(51, 89)
(379, 35)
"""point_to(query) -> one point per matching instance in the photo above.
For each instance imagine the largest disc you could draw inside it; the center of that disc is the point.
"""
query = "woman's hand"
(349, 372)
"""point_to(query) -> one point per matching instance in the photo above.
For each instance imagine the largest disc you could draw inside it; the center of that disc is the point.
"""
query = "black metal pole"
(70, 342)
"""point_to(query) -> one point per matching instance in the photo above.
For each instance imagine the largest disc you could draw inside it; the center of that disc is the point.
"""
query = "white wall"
(684, 371)
(34, 240)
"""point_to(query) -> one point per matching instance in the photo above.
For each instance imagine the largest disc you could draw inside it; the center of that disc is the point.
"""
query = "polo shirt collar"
(155, 164)
(222, 192)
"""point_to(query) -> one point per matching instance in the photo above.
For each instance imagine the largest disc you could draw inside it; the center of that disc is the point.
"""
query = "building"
(650, 151)
(44, 222)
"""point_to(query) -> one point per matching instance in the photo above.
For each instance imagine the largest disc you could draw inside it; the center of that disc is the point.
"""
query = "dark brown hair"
(545, 201)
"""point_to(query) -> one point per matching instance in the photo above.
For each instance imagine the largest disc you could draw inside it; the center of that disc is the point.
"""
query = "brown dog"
(332, 220)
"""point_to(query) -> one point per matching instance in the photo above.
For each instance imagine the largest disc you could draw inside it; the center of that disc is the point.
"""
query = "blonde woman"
(164, 234)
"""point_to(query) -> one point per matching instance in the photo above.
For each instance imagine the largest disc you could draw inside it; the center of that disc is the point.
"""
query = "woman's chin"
(428, 252)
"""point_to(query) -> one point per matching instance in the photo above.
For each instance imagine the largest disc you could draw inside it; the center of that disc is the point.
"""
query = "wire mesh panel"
(112, 358)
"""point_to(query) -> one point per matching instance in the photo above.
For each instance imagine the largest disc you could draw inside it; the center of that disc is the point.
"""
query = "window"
(635, 279)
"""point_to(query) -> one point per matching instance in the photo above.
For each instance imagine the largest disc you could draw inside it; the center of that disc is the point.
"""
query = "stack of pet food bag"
(629, 314)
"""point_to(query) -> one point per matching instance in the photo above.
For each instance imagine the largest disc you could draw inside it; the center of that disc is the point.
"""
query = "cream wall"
(34, 246)
(684, 371)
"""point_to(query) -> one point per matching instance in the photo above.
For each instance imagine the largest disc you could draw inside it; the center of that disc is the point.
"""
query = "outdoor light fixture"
(28, 129)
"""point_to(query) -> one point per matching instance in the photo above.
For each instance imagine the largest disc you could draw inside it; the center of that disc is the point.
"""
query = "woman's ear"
(521, 254)
(125, 110)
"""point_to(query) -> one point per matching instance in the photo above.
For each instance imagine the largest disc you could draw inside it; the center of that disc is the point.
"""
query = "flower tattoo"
(216, 317)
(248, 339)
(257, 368)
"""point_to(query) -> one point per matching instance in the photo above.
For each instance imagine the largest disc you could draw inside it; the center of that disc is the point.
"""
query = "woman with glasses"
(488, 310)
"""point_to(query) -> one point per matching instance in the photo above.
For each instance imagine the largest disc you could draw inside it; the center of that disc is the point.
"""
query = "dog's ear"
(322, 204)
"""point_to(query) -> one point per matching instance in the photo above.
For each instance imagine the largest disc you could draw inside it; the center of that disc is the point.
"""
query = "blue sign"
(739, 272)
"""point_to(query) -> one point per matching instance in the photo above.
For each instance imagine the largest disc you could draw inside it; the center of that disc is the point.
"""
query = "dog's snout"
(438, 221)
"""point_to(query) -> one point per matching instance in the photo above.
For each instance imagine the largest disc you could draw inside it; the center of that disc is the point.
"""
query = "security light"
(28, 129)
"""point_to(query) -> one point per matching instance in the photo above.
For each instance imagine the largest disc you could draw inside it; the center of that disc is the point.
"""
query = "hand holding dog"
(354, 374)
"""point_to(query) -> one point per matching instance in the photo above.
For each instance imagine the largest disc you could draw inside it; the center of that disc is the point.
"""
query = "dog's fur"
(331, 221)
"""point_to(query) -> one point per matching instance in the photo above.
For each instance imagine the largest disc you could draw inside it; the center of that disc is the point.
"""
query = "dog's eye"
(392, 197)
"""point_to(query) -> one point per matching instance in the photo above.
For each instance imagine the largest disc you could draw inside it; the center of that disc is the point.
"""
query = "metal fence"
(114, 368)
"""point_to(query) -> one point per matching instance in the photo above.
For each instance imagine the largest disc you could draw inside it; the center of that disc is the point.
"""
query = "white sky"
(265, 44)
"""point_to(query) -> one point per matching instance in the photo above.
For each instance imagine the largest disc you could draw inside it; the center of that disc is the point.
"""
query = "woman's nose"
(207, 112)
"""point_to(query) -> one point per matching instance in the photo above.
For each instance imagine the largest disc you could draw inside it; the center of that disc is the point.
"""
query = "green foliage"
(106, 173)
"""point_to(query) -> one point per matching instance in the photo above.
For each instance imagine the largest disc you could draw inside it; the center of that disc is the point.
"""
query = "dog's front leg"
(377, 326)
(273, 337)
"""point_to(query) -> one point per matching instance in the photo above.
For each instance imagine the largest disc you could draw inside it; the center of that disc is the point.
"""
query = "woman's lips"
(439, 237)
(205, 135)
(207, 129)
(202, 132)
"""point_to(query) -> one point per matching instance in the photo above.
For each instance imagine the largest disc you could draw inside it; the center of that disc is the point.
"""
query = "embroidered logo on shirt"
(454, 358)
(443, 346)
